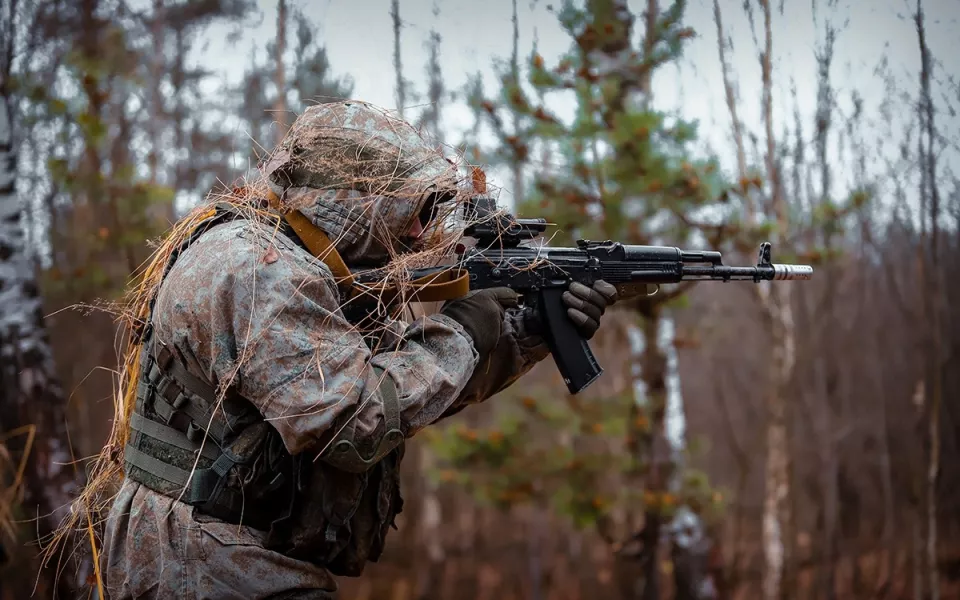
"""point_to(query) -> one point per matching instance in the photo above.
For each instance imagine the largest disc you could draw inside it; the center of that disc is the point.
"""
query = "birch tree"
(30, 392)
(930, 282)
(625, 173)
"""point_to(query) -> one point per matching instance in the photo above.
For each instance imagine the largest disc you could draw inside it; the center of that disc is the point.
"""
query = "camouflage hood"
(360, 175)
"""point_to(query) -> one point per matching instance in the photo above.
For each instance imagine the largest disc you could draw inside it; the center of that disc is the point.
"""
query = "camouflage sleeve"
(243, 304)
(518, 350)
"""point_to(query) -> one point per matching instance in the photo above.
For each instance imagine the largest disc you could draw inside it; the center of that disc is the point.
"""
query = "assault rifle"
(540, 275)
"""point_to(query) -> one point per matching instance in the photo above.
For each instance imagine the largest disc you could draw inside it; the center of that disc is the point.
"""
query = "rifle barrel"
(769, 272)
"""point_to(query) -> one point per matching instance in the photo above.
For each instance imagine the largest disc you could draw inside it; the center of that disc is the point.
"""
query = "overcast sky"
(359, 38)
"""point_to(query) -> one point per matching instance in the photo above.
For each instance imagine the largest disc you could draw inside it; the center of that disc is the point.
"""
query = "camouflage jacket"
(244, 303)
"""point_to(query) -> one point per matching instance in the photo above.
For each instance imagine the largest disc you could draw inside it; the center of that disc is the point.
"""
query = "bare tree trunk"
(930, 191)
(401, 85)
(517, 166)
(166, 213)
(30, 393)
(431, 518)
(777, 517)
(776, 508)
(178, 79)
(651, 446)
(280, 104)
(649, 40)
(731, 96)
(916, 529)
(156, 96)
(825, 367)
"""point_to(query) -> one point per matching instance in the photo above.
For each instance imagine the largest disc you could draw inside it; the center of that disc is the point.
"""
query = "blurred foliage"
(620, 169)
(564, 454)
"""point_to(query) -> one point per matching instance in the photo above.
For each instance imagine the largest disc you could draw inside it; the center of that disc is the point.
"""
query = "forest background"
(795, 440)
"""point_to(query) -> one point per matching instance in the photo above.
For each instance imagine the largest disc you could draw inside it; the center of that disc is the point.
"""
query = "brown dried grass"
(11, 476)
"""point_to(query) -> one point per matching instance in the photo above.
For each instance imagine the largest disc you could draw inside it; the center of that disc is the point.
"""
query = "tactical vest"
(216, 453)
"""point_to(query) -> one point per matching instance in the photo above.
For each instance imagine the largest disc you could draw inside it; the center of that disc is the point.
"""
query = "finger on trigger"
(507, 297)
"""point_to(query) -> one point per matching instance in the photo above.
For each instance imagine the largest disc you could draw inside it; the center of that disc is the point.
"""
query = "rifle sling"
(438, 287)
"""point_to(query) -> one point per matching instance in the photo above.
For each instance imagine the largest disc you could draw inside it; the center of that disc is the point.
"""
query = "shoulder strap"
(438, 287)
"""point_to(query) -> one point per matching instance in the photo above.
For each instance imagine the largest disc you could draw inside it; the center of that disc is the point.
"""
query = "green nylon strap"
(173, 395)
(143, 461)
(176, 371)
(174, 437)
(346, 449)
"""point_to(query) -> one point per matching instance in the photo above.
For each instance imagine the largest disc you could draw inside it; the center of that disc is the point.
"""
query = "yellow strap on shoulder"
(436, 287)
(316, 242)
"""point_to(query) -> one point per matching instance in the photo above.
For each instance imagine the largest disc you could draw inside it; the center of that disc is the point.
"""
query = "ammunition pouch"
(219, 456)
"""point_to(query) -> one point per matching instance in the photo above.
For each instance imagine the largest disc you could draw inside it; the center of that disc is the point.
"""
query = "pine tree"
(624, 171)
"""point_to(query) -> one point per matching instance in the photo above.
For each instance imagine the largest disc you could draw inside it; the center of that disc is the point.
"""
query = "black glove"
(586, 305)
(481, 314)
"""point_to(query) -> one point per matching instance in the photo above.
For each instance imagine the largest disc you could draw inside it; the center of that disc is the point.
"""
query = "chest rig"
(215, 452)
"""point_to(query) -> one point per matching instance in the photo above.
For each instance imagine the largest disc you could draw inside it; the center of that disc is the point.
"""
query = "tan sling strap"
(316, 242)
(436, 287)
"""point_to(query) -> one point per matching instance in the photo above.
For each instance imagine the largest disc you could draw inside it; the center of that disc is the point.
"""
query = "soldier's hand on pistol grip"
(481, 315)
(585, 305)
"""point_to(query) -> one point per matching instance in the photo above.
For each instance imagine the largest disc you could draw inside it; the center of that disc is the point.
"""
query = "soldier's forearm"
(405, 389)
(518, 350)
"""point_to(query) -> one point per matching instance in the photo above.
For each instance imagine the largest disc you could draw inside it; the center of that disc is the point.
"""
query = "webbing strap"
(316, 242)
(154, 466)
(173, 383)
(172, 436)
(436, 287)
(173, 369)
(387, 390)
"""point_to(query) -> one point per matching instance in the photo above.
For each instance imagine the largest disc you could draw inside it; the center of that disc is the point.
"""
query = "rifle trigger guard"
(656, 288)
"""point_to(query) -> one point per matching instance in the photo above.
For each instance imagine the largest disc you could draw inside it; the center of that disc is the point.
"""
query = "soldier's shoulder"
(242, 240)
(246, 234)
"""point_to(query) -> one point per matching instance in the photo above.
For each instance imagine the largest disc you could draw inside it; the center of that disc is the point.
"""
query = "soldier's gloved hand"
(481, 314)
(585, 305)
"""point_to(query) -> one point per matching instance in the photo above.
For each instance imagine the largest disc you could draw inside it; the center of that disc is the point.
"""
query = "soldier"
(265, 444)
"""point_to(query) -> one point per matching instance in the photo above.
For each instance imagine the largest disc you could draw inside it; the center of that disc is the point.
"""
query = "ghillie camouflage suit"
(264, 448)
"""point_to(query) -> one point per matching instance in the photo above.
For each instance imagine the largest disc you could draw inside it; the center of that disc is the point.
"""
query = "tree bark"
(401, 85)
(30, 393)
(280, 81)
(932, 297)
(731, 96)
(777, 527)
(825, 369)
(156, 96)
(647, 442)
(517, 166)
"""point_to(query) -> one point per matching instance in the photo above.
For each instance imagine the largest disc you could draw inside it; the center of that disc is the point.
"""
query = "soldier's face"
(413, 240)
(416, 230)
